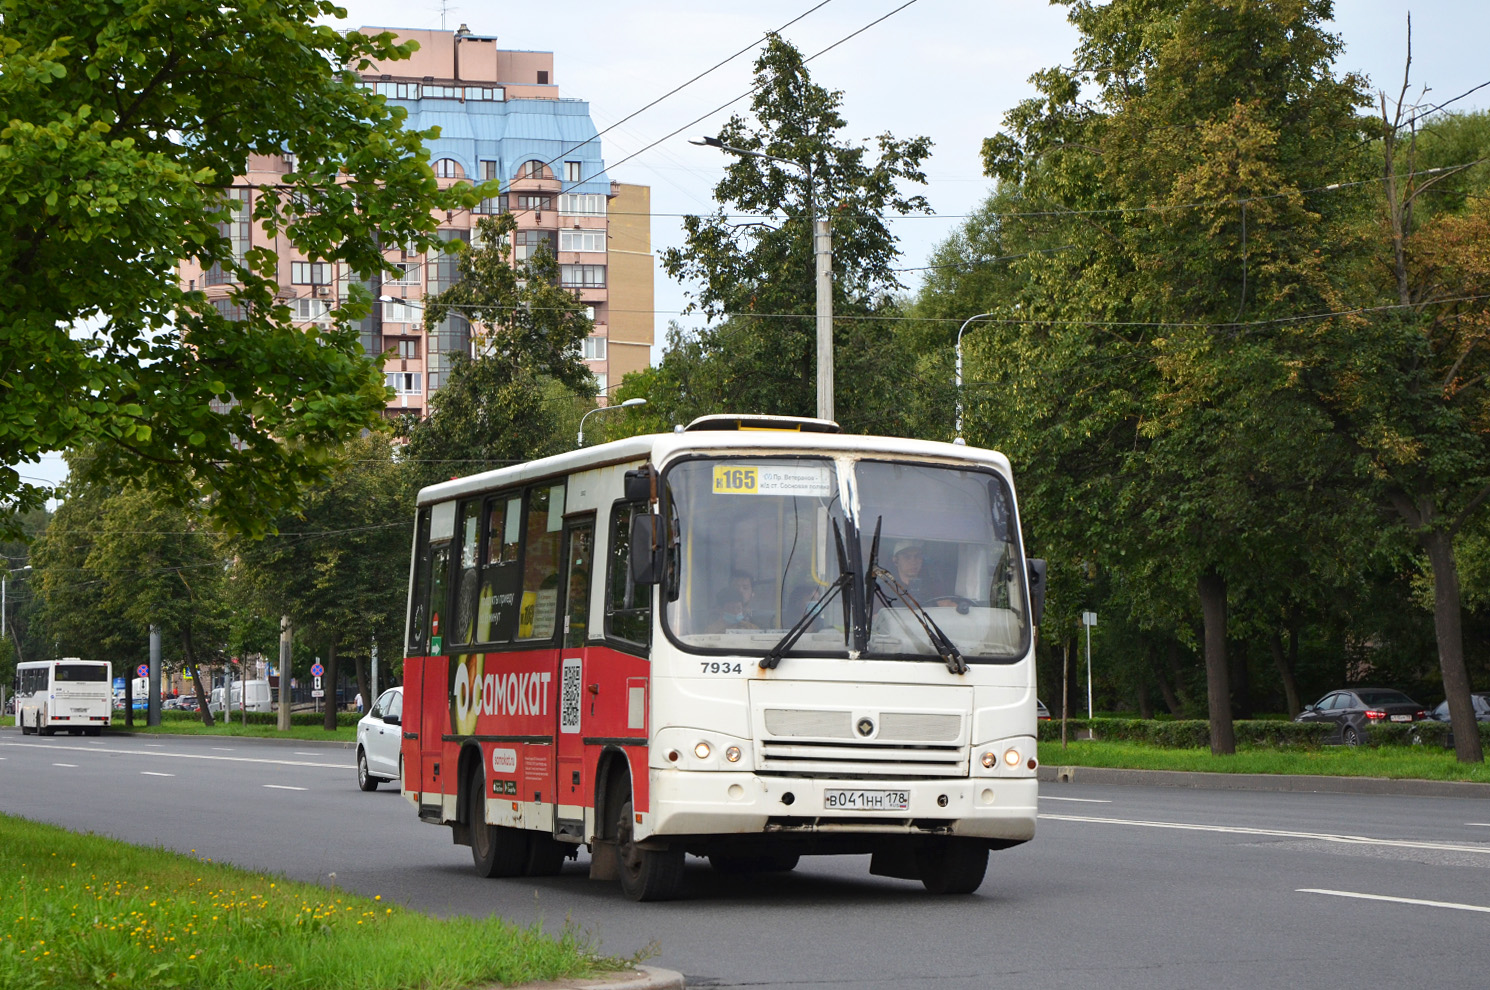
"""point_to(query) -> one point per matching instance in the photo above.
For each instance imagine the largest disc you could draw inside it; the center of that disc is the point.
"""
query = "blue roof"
(511, 133)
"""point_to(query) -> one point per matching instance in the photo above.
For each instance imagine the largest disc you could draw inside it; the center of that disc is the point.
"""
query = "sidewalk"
(1052, 774)
(644, 978)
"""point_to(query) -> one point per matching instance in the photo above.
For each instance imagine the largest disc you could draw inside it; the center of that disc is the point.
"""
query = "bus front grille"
(807, 758)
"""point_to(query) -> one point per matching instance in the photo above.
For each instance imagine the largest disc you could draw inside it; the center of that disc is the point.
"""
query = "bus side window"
(418, 601)
(439, 571)
(628, 607)
(501, 578)
(463, 615)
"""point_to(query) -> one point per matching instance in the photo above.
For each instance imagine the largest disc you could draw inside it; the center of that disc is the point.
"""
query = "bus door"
(574, 784)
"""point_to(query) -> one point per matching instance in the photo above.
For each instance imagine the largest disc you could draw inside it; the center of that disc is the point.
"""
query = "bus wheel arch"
(469, 767)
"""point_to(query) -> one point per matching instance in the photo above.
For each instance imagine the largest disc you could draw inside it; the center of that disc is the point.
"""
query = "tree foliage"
(125, 127)
(760, 273)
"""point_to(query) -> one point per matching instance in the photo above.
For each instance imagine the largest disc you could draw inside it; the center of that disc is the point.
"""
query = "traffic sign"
(317, 670)
(143, 670)
(318, 694)
(317, 684)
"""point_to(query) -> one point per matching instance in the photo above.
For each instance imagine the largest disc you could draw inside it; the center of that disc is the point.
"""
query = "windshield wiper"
(796, 632)
(940, 641)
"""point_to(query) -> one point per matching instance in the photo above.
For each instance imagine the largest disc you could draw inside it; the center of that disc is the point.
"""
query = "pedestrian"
(358, 702)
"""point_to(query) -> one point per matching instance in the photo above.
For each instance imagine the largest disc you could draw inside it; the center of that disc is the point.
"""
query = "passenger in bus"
(744, 584)
(729, 612)
(803, 597)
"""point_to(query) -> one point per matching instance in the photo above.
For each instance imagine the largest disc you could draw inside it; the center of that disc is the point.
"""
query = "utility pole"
(285, 638)
(152, 709)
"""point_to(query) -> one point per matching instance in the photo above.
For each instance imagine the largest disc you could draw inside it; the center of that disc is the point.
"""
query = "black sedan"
(1480, 700)
(1352, 709)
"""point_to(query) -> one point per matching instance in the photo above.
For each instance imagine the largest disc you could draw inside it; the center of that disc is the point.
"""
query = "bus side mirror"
(646, 556)
(1037, 589)
(638, 485)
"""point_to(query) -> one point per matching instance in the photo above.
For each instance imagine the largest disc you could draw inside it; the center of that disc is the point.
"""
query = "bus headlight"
(1011, 757)
(732, 754)
(988, 761)
(702, 751)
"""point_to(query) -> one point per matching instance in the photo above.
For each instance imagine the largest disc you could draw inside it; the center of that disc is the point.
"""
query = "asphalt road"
(1122, 887)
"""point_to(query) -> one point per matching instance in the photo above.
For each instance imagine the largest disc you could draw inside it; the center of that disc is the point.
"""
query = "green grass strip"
(1397, 762)
(82, 911)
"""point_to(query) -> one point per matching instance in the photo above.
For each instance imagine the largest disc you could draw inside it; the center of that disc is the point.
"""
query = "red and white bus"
(750, 640)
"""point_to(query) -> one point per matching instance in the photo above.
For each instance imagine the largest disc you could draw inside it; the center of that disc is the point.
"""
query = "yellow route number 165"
(735, 479)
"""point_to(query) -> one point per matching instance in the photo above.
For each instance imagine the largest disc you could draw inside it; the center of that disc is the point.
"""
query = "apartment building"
(500, 117)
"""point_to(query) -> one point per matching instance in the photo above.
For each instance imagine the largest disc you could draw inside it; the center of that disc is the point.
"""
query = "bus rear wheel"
(646, 874)
(952, 866)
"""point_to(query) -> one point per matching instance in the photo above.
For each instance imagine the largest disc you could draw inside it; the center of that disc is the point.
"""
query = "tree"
(1405, 380)
(126, 126)
(760, 274)
(338, 568)
(1150, 370)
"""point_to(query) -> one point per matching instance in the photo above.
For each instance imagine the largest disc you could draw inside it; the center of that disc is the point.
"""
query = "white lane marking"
(283, 787)
(1047, 797)
(188, 756)
(222, 749)
(1395, 900)
(73, 765)
(154, 773)
(298, 753)
(1479, 824)
(1360, 840)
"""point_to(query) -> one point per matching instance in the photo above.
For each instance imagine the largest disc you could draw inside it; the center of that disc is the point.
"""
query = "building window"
(289, 160)
(493, 93)
(537, 203)
(543, 77)
(401, 312)
(488, 170)
(397, 90)
(405, 382)
(310, 273)
(525, 243)
(582, 276)
(582, 205)
(230, 310)
(572, 171)
(593, 348)
(581, 240)
(440, 92)
(408, 273)
(449, 168)
(408, 348)
(492, 205)
(534, 169)
(602, 381)
(305, 310)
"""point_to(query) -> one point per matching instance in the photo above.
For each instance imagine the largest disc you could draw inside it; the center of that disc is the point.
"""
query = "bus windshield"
(756, 547)
(947, 543)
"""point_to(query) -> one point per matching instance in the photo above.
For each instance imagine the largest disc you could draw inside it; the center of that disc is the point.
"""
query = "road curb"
(640, 978)
(1050, 774)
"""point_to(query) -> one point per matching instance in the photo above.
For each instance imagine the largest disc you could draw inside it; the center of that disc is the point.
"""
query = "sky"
(947, 69)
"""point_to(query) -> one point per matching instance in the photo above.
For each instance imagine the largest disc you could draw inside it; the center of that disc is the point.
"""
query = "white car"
(379, 738)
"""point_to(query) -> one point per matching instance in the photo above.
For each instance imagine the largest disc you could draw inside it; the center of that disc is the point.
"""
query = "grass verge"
(81, 911)
(184, 727)
(1401, 762)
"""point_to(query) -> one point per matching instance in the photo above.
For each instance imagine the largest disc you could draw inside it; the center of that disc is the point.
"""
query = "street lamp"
(628, 403)
(970, 319)
(822, 239)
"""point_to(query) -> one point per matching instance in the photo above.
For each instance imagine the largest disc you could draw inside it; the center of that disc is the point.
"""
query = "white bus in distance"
(71, 693)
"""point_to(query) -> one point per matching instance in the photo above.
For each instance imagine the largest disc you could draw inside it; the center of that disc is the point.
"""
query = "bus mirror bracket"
(646, 555)
(1037, 589)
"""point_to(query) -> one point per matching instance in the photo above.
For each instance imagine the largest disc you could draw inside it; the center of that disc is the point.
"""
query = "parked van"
(253, 696)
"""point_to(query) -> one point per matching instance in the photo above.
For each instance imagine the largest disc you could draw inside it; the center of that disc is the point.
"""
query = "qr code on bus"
(569, 694)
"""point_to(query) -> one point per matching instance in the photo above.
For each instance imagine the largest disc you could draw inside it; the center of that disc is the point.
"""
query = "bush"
(253, 718)
(1267, 732)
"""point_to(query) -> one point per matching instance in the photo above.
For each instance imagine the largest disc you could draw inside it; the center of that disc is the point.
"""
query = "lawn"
(1422, 762)
(81, 911)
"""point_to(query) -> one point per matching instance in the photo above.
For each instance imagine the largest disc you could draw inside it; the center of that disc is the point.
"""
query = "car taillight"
(1419, 716)
(1371, 714)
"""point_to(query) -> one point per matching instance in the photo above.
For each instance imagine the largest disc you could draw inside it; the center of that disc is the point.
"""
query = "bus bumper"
(694, 803)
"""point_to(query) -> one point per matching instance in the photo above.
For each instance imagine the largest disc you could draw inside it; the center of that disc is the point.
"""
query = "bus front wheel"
(952, 866)
(496, 851)
(646, 874)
